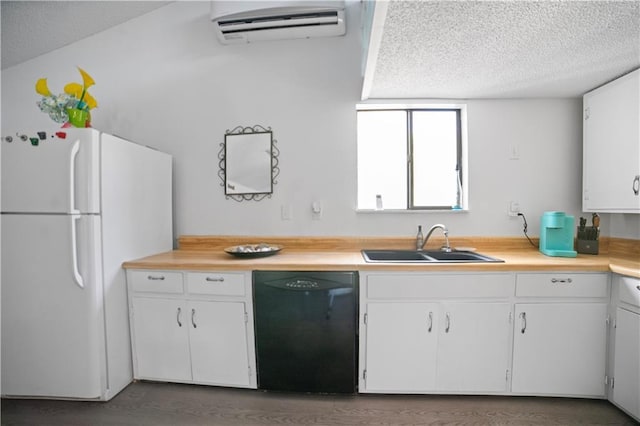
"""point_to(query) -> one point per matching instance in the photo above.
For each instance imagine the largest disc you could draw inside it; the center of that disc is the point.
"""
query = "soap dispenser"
(419, 238)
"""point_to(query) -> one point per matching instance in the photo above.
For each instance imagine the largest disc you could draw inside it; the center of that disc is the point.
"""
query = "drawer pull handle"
(448, 319)
(561, 280)
(178, 317)
(155, 278)
(523, 317)
(215, 280)
(193, 318)
(636, 185)
(430, 322)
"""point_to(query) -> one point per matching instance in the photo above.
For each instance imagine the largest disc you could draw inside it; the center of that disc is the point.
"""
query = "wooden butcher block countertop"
(206, 253)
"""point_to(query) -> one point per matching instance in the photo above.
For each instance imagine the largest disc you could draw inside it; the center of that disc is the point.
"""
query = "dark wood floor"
(144, 403)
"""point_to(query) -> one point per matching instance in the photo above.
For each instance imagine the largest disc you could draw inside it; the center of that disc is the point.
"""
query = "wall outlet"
(514, 208)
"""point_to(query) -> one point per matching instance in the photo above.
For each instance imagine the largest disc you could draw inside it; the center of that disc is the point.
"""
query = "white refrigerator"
(75, 205)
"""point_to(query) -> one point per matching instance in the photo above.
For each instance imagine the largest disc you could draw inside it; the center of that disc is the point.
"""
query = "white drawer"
(215, 283)
(562, 285)
(155, 281)
(629, 290)
(436, 286)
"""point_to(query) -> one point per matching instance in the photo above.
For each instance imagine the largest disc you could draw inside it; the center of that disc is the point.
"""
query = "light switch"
(286, 212)
(316, 210)
(514, 152)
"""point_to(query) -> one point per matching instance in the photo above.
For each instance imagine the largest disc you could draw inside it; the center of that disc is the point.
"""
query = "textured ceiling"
(32, 28)
(502, 49)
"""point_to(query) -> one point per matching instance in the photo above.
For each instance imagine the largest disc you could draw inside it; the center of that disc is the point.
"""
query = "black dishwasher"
(305, 327)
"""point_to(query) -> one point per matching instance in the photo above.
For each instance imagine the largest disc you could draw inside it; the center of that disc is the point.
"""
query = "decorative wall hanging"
(248, 161)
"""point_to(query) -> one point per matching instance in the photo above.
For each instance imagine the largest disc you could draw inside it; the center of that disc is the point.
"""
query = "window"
(410, 158)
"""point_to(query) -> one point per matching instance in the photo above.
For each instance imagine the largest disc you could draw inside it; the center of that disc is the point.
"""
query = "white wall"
(163, 80)
(625, 225)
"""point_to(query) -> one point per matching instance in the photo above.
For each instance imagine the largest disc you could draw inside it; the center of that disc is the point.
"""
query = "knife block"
(587, 246)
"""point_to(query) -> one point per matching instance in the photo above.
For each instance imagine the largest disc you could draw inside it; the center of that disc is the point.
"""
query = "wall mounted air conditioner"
(251, 21)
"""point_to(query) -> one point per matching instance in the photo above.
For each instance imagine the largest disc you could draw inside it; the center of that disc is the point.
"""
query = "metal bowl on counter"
(249, 251)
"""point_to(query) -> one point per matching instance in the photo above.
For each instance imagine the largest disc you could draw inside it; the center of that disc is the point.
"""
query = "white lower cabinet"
(401, 346)
(473, 347)
(626, 370)
(200, 336)
(560, 334)
(560, 348)
(523, 334)
(625, 390)
(435, 346)
(217, 336)
(161, 339)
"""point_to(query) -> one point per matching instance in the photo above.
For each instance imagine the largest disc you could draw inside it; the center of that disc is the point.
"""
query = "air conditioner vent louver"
(303, 20)
(278, 21)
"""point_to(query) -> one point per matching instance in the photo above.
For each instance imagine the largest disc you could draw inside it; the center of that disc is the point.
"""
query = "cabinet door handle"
(561, 280)
(193, 318)
(215, 279)
(523, 317)
(448, 320)
(636, 185)
(178, 317)
(155, 278)
(638, 287)
(430, 322)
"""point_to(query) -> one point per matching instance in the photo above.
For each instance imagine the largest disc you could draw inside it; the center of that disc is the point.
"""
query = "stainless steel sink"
(419, 256)
(395, 256)
(460, 256)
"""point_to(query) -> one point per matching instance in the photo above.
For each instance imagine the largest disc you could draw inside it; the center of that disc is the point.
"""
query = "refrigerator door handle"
(74, 251)
(72, 178)
(74, 214)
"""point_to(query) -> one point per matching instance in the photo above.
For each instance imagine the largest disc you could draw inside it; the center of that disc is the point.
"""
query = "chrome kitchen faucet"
(420, 242)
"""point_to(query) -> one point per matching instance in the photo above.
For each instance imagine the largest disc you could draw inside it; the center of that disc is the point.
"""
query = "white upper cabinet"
(611, 147)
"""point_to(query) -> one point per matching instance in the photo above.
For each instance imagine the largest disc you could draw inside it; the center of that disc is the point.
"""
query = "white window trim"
(380, 104)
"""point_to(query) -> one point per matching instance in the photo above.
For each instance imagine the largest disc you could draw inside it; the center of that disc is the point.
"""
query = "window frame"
(410, 147)
(461, 150)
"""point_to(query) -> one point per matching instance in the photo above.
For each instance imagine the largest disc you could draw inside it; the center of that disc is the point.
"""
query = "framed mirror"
(248, 163)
